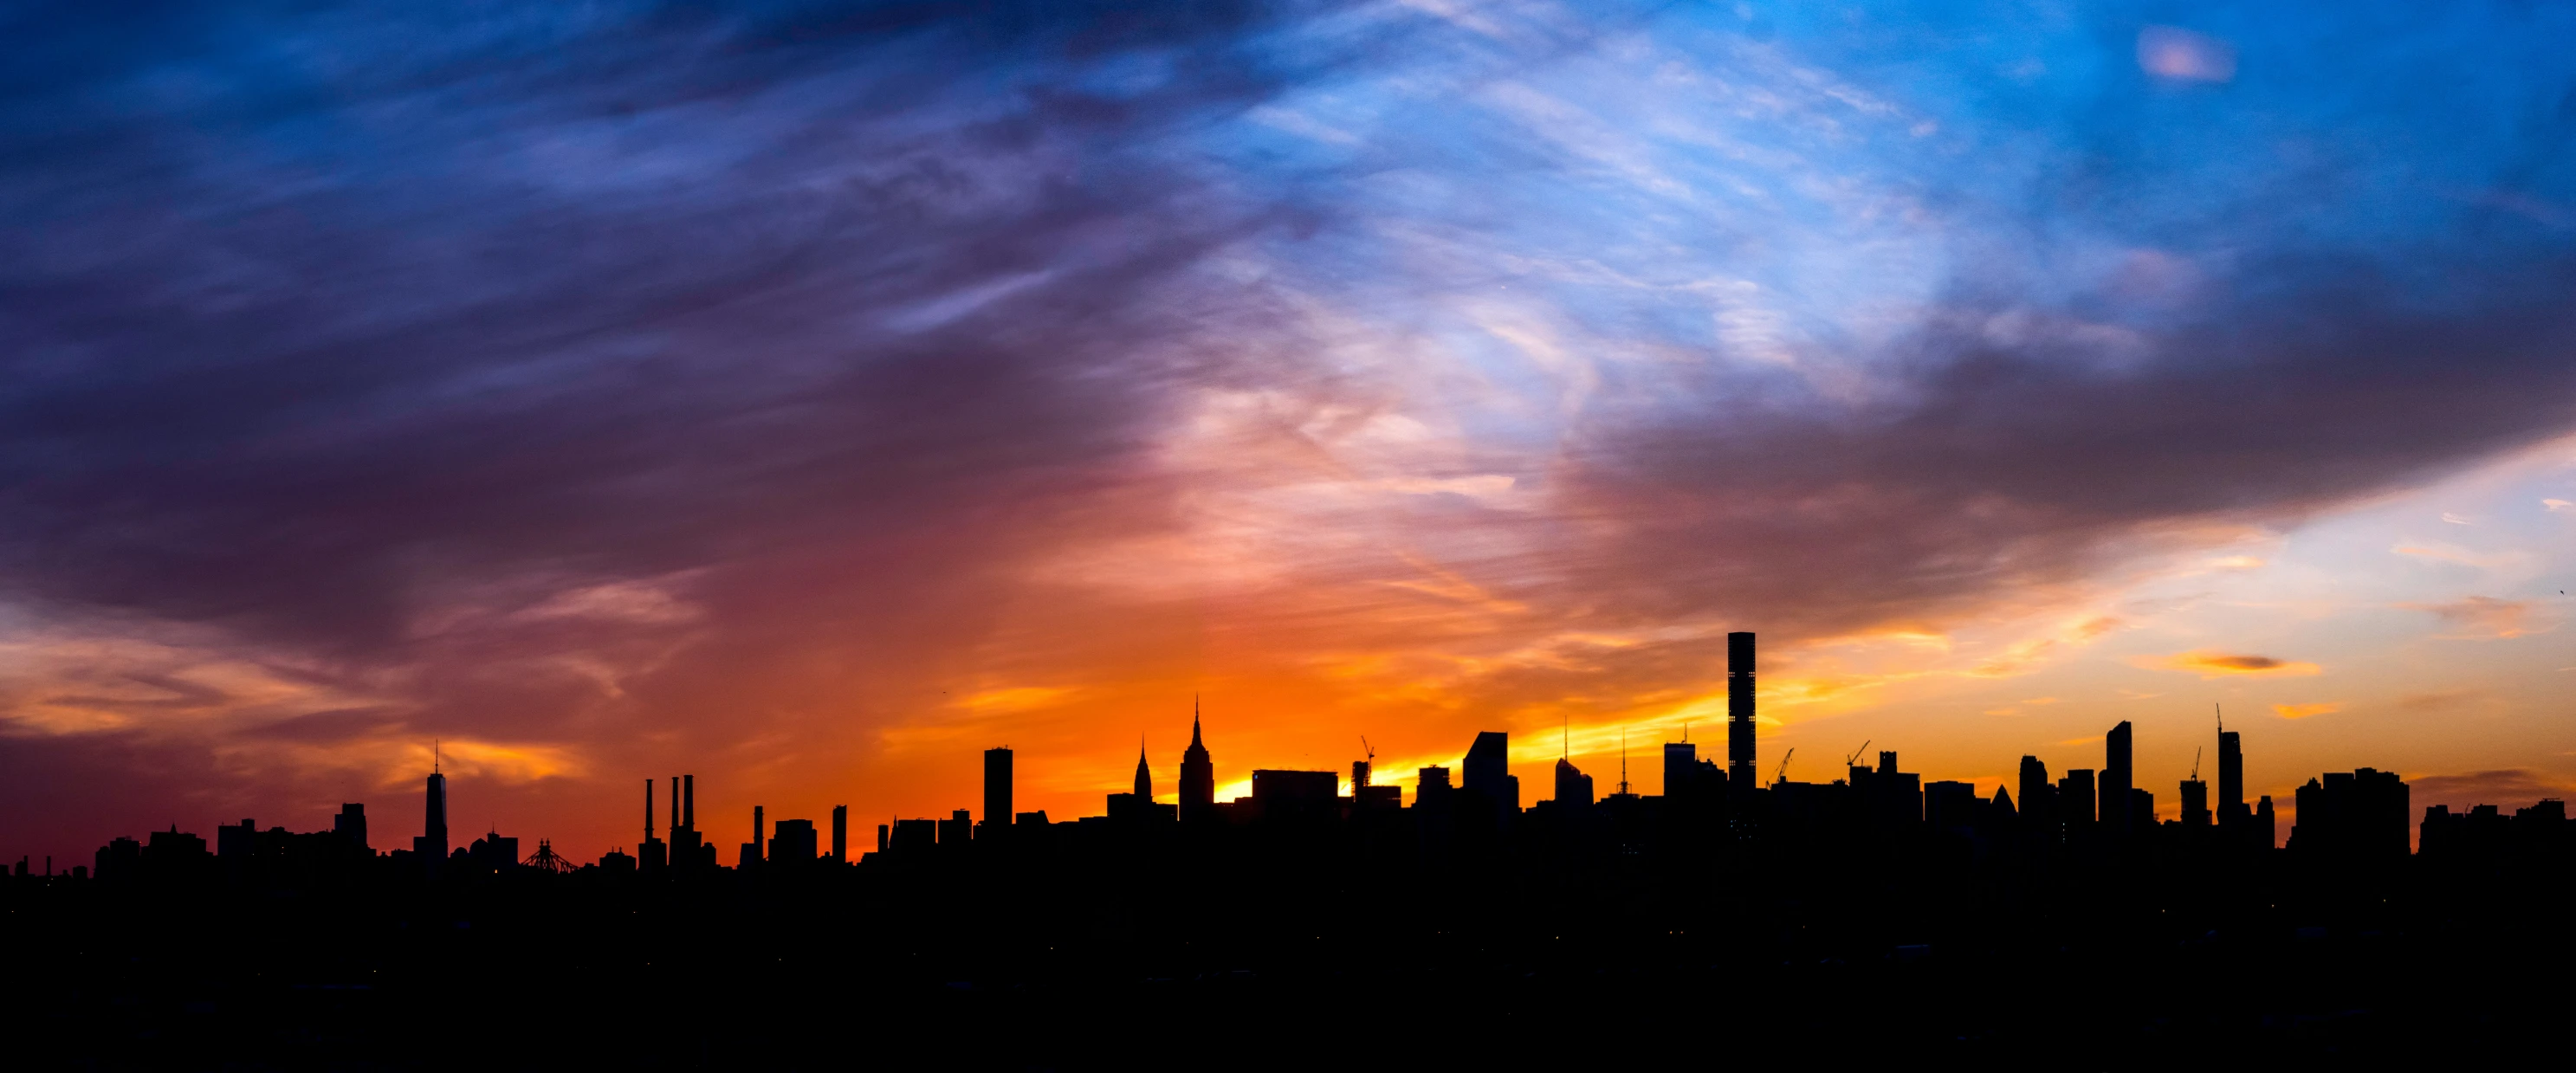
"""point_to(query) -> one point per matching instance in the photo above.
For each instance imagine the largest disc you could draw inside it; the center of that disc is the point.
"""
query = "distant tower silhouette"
(1739, 710)
(2231, 778)
(1487, 771)
(1198, 775)
(840, 834)
(1144, 777)
(997, 789)
(2113, 812)
(431, 846)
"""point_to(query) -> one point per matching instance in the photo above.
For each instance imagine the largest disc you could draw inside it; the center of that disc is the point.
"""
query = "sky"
(810, 396)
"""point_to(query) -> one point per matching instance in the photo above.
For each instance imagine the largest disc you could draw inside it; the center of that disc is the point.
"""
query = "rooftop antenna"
(1623, 762)
(1685, 730)
(1565, 743)
(2222, 716)
(1854, 758)
(433, 756)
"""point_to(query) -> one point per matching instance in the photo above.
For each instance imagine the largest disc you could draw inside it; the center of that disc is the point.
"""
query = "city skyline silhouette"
(1237, 517)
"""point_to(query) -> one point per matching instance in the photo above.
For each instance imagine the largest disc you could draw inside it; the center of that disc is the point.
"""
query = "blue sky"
(819, 393)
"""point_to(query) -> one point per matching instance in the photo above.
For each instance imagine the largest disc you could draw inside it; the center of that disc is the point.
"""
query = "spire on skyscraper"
(1198, 772)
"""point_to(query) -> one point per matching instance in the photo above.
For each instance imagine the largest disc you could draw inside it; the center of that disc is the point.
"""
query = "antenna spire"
(2222, 716)
(433, 756)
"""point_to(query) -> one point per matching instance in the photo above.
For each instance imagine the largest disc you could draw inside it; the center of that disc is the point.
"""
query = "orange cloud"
(2302, 711)
(2484, 617)
(2208, 664)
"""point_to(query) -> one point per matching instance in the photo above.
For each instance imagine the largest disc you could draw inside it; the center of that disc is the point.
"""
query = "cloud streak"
(802, 390)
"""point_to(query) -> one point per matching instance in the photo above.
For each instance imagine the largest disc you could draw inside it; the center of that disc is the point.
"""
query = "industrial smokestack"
(689, 803)
(1739, 710)
(648, 810)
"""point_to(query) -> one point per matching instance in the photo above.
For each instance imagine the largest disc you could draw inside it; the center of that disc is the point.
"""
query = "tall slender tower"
(1198, 774)
(1144, 778)
(2231, 776)
(1739, 710)
(840, 834)
(997, 790)
(2115, 782)
(431, 846)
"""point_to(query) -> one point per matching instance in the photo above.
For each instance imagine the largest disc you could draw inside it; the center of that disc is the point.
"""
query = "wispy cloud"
(2302, 711)
(2176, 53)
(2486, 617)
(2209, 663)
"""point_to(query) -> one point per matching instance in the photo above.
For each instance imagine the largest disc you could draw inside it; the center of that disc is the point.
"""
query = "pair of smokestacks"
(684, 806)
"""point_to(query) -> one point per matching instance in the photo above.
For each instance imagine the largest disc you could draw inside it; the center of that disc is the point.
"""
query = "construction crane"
(1854, 758)
(1367, 748)
(1782, 775)
(2195, 762)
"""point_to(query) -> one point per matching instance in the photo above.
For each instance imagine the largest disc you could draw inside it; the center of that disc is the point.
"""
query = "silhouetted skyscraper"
(1488, 771)
(2038, 798)
(791, 843)
(2231, 770)
(1198, 774)
(234, 842)
(840, 834)
(1739, 710)
(2115, 783)
(1681, 770)
(2195, 803)
(1431, 787)
(2076, 800)
(1144, 777)
(1573, 787)
(431, 846)
(997, 790)
(351, 824)
(2231, 781)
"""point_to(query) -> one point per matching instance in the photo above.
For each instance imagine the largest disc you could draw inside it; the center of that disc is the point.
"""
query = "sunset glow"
(810, 408)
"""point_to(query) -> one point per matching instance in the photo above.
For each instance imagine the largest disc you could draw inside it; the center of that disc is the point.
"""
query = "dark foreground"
(1300, 953)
